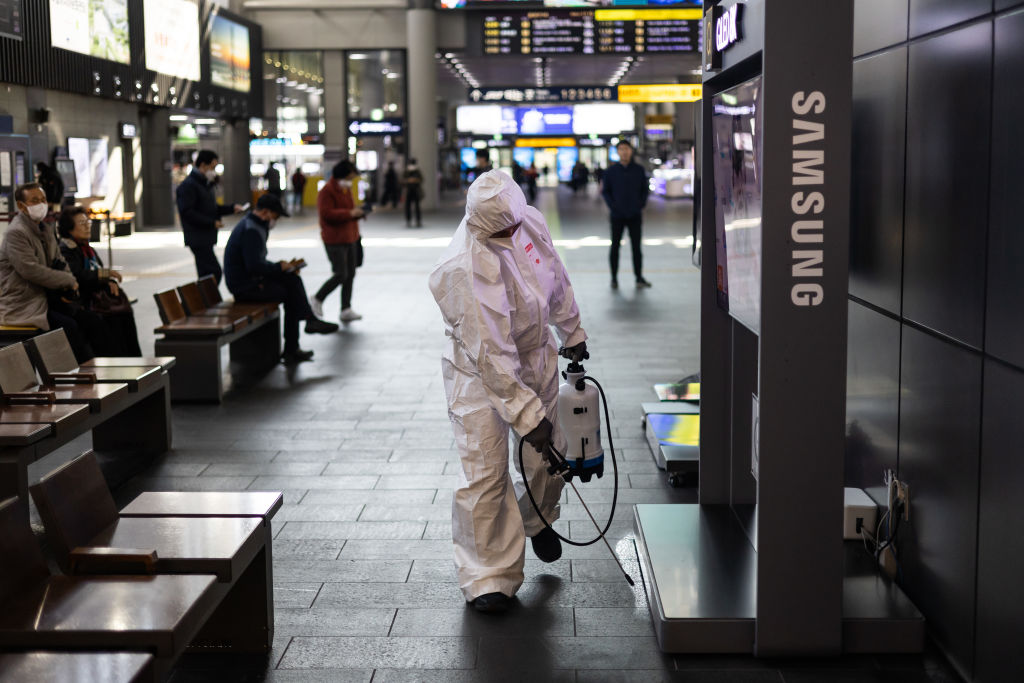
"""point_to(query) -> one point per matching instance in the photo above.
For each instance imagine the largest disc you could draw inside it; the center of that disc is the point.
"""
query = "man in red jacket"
(339, 229)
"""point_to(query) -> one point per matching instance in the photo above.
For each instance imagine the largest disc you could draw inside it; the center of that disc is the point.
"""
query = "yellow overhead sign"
(647, 14)
(668, 92)
(546, 142)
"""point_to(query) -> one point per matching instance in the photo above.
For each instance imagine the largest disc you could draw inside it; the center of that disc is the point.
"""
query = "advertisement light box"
(485, 120)
(229, 54)
(98, 28)
(544, 121)
(172, 37)
(603, 119)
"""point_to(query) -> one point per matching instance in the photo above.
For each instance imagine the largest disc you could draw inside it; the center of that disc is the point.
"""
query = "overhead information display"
(525, 4)
(10, 18)
(587, 32)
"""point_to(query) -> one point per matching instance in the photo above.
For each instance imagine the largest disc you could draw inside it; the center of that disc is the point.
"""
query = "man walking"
(201, 214)
(625, 192)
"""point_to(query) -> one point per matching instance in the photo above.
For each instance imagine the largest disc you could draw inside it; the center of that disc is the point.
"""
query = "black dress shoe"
(318, 326)
(546, 545)
(492, 603)
(296, 356)
(642, 283)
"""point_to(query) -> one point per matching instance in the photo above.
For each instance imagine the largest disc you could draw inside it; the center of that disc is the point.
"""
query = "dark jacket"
(625, 189)
(52, 184)
(245, 256)
(199, 210)
(86, 265)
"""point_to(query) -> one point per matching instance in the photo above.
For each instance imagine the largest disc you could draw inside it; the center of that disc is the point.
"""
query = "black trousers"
(287, 289)
(206, 262)
(343, 268)
(411, 202)
(619, 226)
(78, 341)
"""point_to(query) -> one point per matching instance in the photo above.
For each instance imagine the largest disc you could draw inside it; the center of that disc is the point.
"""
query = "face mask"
(37, 212)
(211, 175)
(271, 223)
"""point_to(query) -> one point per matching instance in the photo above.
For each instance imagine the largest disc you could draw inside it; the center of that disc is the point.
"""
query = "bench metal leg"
(244, 620)
(261, 348)
(198, 373)
(143, 428)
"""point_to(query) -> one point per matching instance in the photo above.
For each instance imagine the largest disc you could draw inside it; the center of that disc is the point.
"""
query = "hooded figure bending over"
(501, 288)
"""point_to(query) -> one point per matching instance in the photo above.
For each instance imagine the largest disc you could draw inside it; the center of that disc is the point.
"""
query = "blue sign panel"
(544, 120)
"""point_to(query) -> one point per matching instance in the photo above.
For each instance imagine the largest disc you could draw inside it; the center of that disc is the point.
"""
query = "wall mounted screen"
(603, 119)
(89, 156)
(485, 4)
(98, 28)
(11, 17)
(172, 37)
(229, 54)
(737, 130)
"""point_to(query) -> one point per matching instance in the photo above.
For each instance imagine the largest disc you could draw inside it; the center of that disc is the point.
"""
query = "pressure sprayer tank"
(580, 419)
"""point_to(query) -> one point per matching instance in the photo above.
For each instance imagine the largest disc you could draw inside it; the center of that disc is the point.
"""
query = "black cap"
(270, 201)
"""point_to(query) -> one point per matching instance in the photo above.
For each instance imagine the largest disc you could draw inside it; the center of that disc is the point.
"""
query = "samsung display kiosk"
(759, 565)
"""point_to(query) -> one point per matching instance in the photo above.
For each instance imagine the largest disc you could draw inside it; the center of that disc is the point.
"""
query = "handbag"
(359, 252)
(103, 302)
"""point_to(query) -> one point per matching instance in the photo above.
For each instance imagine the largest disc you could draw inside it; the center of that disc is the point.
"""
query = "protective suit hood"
(494, 202)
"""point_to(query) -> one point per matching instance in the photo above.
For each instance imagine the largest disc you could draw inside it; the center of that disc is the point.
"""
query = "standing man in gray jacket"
(30, 266)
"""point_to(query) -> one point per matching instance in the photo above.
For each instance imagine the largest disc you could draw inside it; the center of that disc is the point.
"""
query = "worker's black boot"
(546, 545)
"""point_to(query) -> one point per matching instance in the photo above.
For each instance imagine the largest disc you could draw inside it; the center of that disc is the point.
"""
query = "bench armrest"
(73, 377)
(91, 560)
(31, 398)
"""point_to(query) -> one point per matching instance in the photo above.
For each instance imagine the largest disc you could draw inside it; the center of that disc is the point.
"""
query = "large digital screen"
(603, 119)
(89, 156)
(592, 31)
(229, 54)
(566, 159)
(737, 129)
(544, 120)
(172, 37)
(486, 120)
(11, 17)
(91, 27)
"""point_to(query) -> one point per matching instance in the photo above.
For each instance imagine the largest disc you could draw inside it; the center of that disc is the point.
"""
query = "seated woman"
(99, 287)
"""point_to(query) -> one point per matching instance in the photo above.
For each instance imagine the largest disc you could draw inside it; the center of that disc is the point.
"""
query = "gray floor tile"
(311, 549)
(320, 482)
(354, 530)
(419, 513)
(613, 621)
(465, 621)
(243, 468)
(439, 571)
(318, 513)
(417, 481)
(556, 652)
(333, 622)
(344, 595)
(463, 676)
(295, 594)
(662, 676)
(357, 652)
(343, 455)
(341, 571)
(370, 497)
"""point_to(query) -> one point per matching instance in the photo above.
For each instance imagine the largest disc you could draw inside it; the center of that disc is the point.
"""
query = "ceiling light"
(177, 117)
(206, 122)
(449, 55)
(357, 55)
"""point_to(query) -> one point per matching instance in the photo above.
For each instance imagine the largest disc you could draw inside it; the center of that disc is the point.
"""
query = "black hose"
(615, 470)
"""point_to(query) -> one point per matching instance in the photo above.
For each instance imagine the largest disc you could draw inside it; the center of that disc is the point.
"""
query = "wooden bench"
(196, 304)
(254, 341)
(52, 355)
(157, 614)
(78, 667)
(125, 424)
(12, 334)
(88, 536)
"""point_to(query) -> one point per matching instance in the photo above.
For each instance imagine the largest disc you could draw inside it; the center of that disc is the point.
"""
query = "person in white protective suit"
(500, 286)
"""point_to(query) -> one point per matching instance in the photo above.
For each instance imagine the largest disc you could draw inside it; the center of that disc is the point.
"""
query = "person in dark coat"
(625, 191)
(252, 277)
(412, 179)
(298, 188)
(201, 214)
(51, 182)
(392, 189)
(122, 337)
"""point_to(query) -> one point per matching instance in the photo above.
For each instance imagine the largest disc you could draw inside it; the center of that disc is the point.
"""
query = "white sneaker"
(317, 306)
(348, 315)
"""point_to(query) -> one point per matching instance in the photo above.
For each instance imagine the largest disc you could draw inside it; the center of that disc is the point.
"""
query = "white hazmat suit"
(499, 298)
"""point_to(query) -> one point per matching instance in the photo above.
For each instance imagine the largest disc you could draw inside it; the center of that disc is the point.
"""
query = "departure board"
(587, 32)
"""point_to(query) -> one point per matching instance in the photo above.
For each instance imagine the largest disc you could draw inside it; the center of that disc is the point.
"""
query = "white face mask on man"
(37, 212)
(211, 175)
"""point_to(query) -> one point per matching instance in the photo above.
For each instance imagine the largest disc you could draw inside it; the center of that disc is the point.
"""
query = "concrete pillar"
(421, 107)
(335, 102)
(157, 201)
(234, 154)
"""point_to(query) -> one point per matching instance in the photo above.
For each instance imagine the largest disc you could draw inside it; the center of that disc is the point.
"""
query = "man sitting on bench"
(251, 277)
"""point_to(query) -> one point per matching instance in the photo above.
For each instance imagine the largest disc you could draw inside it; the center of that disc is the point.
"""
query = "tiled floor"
(359, 442)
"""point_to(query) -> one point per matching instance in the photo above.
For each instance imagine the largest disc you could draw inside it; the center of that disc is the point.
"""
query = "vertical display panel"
(172, 37)
(229, 54)
(736, 125)
(11, 18)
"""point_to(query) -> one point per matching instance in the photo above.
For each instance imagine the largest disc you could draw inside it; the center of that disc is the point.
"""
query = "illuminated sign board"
(128, 130)
(229, 54)
(172, 37)
(517, 95)
(724, 28)
(544, 121)
(360, 127)
(587, 32)
(546, 142)
(669, 92)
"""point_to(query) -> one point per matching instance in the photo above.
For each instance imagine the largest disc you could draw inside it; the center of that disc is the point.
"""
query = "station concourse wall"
(936, 321)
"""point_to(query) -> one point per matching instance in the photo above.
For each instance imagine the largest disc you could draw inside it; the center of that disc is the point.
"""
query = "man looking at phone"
(201, 214)
(252, 277)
